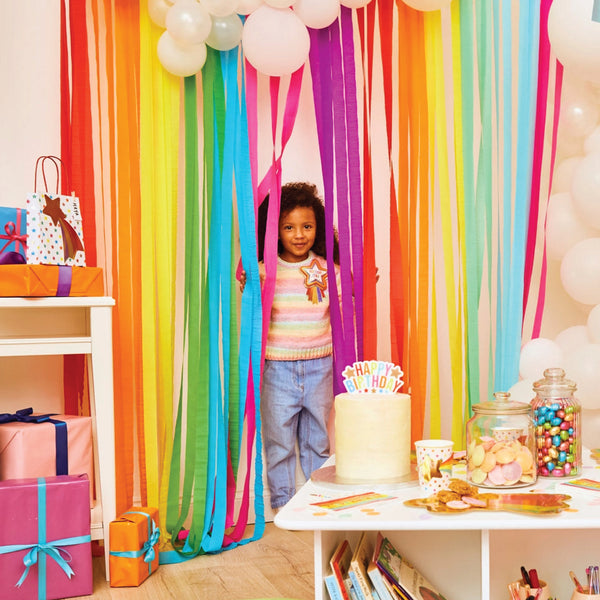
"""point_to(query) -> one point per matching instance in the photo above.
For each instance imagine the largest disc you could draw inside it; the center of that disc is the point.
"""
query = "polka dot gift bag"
(54, 228)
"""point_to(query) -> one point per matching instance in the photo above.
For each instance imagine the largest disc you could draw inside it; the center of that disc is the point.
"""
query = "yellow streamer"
(159, 133)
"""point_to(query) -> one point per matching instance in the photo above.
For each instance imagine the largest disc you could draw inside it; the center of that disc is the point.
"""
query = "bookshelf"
(467, 556)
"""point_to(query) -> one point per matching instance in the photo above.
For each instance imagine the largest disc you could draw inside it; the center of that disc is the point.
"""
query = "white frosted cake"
(372, 437)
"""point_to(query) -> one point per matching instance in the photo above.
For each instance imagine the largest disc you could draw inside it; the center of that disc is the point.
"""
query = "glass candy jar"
(501, 444)
(557, 417)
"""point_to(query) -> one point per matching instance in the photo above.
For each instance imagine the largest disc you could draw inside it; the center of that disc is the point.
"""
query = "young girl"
(297, 385)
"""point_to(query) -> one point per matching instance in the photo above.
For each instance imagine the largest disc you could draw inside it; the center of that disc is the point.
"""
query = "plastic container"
(501, 444)
(557, 417)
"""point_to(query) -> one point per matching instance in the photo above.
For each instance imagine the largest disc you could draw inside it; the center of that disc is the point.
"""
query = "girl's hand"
(242, 281)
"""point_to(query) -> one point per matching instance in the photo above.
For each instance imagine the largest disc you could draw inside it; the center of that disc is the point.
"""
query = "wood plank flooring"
(279, 565)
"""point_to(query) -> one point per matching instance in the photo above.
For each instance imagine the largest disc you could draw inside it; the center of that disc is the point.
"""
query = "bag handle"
(56, 161)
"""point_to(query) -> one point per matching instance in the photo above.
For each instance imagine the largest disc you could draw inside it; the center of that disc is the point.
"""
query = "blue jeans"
(296, 399)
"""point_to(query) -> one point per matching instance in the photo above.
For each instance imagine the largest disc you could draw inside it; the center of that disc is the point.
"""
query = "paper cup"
(434, 475)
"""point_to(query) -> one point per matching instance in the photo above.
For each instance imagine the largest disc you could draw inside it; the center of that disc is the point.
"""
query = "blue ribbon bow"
(25, 415)
(147, 549)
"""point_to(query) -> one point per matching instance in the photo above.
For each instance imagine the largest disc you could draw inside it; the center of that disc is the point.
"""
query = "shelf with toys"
(471, 555)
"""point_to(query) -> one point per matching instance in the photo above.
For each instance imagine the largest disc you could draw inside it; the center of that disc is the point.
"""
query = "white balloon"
(245, 7)
(583, 367)
(188, 22)
(585, 189)
(591, 143)
(522, 391)
(280, 3)
(275, 41)
(572, 337)
(593, 324)
(427, 5)
(157, 10)
(574, 37)
(563, 174)
(354, 3)
(580, 271)
(579, 110)
(564, 228)
(317, 14)
(226, 32)
(220, 8)
(178, 59)
(537, 355)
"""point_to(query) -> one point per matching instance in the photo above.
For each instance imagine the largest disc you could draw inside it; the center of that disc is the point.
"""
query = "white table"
(37, 327)
(468, 556)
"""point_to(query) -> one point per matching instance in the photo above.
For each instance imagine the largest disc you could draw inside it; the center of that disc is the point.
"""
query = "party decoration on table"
(352, 501)
(372, 376)
(462, 497)
(13, 234)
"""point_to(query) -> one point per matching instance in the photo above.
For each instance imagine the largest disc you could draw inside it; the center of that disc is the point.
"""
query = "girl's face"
(297, 231)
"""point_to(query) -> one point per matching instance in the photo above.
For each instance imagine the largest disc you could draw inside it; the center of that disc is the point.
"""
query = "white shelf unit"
(467, 556)
(71, 325)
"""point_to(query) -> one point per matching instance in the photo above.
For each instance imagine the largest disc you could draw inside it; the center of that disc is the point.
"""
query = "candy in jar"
(501, 444)
(557, 418)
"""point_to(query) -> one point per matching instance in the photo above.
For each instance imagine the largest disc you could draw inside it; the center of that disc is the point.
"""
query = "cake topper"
(374, 376)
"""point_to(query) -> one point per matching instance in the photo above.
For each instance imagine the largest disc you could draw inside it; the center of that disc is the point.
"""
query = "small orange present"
(50, 280)
(134, 546)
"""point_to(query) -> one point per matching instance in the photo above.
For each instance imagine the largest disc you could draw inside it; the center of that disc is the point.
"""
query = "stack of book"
(375, 570)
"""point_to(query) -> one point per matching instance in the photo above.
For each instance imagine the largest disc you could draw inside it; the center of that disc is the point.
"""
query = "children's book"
(333, 587)
(358, 567)
(407, 581)
(375, 575)
(340, 563)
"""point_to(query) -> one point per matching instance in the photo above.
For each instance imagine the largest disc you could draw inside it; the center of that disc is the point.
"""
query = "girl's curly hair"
(298, 195)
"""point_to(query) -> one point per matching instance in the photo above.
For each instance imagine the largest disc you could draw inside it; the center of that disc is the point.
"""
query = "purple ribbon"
(11, 258)
(25, 415)
(65, 275)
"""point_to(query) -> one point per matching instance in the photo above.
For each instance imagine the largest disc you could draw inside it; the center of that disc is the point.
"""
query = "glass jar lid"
(554, 381)
(502, 404)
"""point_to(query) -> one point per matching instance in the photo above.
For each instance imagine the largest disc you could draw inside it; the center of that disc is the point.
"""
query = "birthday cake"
(372, 425)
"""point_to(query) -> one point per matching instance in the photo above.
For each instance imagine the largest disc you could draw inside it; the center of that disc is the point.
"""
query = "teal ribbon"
(596, 11)
(147, 549)
(38, 552)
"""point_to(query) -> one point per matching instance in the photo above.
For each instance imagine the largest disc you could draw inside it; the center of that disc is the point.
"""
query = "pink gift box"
(29, 449)
(52, 513)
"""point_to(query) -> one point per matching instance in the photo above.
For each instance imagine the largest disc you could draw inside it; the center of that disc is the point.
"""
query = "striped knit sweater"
(300, 328)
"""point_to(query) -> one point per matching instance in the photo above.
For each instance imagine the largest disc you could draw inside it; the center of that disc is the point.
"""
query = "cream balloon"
(245, 7)
(585, 189)
(354, 3)
(220, 8)
(572, 337)
(178, 59)
(522, 391)
(317, 14)
(157, 10)
(427, 5)
(280, 3)
(579, 111)
(188, 22)
(580, 271)
(564, 228)
(226, 32)
(563, 174)
(539, 354)
(591, 143)
(575, 37)
(593, 324)
(275, 41)
(583, 367)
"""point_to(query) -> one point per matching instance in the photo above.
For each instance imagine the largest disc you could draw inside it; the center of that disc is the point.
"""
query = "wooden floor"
(279, 565)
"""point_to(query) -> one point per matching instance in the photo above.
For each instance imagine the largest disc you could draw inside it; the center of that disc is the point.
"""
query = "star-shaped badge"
(315, 275)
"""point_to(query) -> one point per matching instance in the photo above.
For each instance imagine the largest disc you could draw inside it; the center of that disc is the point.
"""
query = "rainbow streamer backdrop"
(422, 140)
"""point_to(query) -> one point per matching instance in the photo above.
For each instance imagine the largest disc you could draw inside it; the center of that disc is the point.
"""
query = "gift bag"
(54, 227)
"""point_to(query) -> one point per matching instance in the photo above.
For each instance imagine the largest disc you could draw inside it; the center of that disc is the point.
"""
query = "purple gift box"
(45, 545)
(13, 235)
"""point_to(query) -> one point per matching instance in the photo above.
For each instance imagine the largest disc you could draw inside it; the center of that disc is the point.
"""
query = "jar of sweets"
(501, 444)
(557, 417)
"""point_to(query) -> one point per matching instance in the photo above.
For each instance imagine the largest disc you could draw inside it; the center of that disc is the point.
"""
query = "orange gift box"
(50, 280)
(29, 449)
(134, 540)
